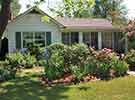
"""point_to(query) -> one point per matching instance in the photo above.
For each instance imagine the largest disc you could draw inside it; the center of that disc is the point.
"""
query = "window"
(87, 38)
(94, 39)
(27, 38)
(118, 43)
(106, 40)
(70, 38)
(33, 37)
(66, 38)
(91, 39)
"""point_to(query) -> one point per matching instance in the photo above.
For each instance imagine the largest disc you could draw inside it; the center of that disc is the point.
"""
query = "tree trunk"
(5, 15)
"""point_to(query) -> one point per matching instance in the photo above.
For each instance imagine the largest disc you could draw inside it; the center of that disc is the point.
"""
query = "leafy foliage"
(30, 60)
(129, 34)
(74, 8)
(130, 57)
(109, 65)
(113, 10)
(80, 62)
(36, 50)
(15, 7)
(16, 59)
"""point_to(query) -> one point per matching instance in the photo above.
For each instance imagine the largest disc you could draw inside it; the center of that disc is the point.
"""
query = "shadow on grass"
(25, 88)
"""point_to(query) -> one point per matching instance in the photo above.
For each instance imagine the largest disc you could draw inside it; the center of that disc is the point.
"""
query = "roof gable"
(36, 10)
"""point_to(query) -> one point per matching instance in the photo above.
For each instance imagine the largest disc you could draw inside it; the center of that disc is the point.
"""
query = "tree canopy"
(74, 8)
(15, 7)
(113, 10)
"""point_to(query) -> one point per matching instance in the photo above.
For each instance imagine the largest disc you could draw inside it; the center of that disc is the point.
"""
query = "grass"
(27, 87)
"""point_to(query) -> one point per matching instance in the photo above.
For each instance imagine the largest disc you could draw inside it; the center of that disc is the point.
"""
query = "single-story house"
(30, 27)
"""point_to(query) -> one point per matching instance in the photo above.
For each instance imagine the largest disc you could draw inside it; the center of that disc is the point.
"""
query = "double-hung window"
(70, 37)
(91, 39)
(27, 38)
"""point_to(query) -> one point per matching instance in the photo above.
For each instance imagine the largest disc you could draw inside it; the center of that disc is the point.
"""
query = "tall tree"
(113, 10)
(5, 15)
(74, 8)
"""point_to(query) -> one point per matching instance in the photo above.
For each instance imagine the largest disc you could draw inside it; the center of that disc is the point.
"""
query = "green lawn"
(27, 87)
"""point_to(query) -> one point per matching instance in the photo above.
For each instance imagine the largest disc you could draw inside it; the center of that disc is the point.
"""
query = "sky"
(53, 3)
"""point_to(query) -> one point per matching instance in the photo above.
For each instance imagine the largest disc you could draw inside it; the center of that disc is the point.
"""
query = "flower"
(130, 26)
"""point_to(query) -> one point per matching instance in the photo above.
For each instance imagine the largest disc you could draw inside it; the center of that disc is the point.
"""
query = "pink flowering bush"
(108, 64)
(130, 34)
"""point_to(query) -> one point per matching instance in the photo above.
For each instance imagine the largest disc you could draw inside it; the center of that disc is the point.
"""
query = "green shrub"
(130, 57)
(6, 71)
(36, 50)
(41, 62)
(19, 59)
(77, 71)
(108, 64)
(102, 70)
(15, 59)
(120, 67)
(30, 60)
(62, 57)
(80, 61)
(54, 68)
(76, 54)
(57, 47)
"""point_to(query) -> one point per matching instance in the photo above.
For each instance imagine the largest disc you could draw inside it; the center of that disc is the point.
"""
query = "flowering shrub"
(130, 57)
(108, 64)
(129, 34)
(80, 61)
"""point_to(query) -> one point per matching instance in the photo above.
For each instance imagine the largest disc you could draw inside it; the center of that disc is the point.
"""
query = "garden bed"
(67, 79)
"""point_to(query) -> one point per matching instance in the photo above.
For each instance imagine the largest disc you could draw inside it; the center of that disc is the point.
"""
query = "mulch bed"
(67, 79)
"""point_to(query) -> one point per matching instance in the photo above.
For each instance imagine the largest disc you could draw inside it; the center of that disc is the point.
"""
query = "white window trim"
(22, 38)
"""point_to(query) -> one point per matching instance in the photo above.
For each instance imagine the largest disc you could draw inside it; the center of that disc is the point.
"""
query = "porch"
(97, 40)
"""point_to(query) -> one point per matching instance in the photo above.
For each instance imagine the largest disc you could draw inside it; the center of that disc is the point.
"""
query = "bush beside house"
(77, 62)
(130, 59)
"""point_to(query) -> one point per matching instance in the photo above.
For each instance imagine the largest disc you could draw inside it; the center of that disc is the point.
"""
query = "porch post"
(126, 44)
(80, 37)
(113, 42)
(99, 40)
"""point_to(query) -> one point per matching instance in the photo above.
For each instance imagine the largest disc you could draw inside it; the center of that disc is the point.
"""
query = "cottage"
(29, 27)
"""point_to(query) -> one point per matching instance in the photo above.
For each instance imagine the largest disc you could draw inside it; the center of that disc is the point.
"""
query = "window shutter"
(48, 38)
(18, 40)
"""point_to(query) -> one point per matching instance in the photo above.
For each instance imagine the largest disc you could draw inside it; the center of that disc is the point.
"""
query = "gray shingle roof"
(85, 23)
